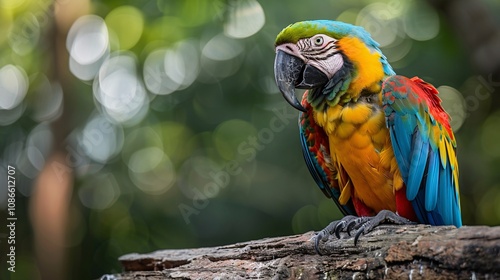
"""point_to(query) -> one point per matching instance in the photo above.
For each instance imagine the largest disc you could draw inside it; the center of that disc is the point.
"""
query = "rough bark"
(389, 252)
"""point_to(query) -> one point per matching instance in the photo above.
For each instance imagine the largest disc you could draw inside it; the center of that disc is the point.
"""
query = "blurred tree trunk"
(390, 252)
(50, 201)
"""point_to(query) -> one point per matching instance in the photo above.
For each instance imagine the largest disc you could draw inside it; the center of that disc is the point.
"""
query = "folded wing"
(424, 147)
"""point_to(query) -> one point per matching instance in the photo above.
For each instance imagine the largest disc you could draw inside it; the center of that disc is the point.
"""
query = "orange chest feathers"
(360, 145)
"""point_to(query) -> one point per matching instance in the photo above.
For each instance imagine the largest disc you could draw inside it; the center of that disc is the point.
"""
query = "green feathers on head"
(299, 30)
(335, 29)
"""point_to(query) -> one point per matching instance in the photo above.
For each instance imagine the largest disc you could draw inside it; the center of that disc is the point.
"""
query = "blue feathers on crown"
(342, 29)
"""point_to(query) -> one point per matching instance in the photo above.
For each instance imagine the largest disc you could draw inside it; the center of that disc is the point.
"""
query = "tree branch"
(389, 252)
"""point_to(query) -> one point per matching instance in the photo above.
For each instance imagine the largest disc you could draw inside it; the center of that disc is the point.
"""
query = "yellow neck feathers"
(369, 70)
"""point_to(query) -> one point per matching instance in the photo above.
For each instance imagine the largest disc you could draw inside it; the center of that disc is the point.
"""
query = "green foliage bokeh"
(215, 156)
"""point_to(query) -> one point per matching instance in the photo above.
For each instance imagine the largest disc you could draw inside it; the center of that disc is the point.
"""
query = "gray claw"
(362, 225)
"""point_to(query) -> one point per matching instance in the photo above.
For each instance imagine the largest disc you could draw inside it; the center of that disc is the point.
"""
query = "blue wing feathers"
(430, 185)
(419, 210)
(444, 191)
(416, 137)
(428, 217)
(457, 216)
(402, 161)
(403, 136)
(418, 161)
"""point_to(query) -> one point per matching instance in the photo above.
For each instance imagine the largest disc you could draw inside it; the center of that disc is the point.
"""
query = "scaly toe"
(338, 228)
(319, 237)
(359, 232)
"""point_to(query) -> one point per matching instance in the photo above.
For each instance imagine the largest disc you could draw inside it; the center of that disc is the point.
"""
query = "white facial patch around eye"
(329, 66)
(325, 57)
(318, 41)
(325, 40)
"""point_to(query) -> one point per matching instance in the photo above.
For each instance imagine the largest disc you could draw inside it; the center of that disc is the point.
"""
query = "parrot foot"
(361, 225)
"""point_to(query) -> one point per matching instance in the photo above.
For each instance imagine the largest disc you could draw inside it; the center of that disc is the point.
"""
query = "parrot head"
(337, 61)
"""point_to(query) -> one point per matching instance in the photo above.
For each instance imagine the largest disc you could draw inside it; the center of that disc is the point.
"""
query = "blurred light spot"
(245, 18)
(13, 86)
(11, 4)
(380, 22)
(165, 28)
(398, 8)
(48, 100)
(196, 12)
(31, 154)
(151, 170)
(305, 219)
(221, 47)
(126, 22)
(8, 117)
(140, 138)
(119, 90)
(233, 135)
(328, 212)
(88, 39)
(39, 145)
(221, 57)
(198, 178)
(348, 16)
(25, 167)
(168, 70)
(490, 136)
(77, 158)
(14, 145)
(422, 23)
(99, 191)
(488, 207)
(453, 102)
(155, 78)
(24, 34)
(398, 49)
(175, 135)
(101, 140)
(35, 156)
(175, 67)
(88, 46)
(15, 152)
(145, 159)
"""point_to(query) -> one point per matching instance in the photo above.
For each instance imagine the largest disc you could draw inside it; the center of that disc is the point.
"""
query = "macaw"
(380, 145)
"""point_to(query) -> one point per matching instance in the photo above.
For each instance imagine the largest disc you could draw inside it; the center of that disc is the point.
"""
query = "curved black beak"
(291, 72)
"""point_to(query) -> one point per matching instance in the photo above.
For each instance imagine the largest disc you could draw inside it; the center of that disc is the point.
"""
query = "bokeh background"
(143, 125)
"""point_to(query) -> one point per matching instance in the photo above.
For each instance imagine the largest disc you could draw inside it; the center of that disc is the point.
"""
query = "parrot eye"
(318, 41)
